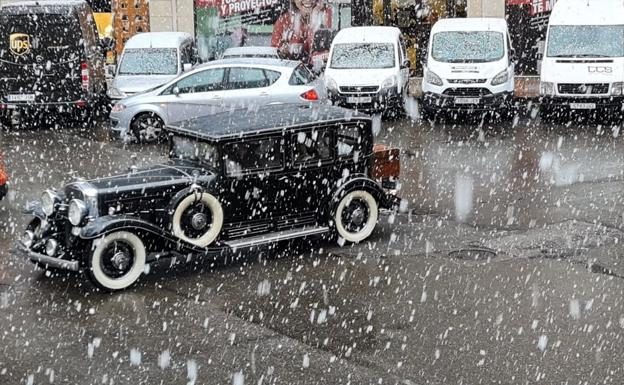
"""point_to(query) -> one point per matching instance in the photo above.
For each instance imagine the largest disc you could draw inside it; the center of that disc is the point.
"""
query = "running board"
(275, 237)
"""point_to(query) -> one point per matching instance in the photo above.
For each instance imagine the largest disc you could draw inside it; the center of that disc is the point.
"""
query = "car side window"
(348, 141)
(250, 156)
(312, 146)
(301, 76)
(203, 81)
(243, 77)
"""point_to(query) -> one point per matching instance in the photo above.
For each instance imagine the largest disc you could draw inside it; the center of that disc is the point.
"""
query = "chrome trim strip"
(275, 237)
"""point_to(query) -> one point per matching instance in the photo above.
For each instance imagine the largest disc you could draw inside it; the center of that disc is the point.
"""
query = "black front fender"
(34, 209)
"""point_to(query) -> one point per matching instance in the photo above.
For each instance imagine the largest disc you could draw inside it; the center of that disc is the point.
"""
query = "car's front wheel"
(147, 128)
(116, 261)
(356, 216)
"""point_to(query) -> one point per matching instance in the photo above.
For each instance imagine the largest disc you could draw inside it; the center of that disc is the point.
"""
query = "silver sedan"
(228, 83)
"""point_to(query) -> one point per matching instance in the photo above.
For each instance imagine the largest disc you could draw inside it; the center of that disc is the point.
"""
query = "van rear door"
(40, 57)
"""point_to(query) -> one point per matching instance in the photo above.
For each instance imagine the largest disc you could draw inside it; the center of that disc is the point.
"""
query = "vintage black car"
(235, 180)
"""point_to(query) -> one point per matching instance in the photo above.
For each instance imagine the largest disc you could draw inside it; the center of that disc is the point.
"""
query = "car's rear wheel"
(116, 261)
(148, 128)
(198, 219)
(356, 216)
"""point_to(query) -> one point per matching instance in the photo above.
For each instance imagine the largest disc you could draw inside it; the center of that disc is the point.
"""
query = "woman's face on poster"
(305, 6)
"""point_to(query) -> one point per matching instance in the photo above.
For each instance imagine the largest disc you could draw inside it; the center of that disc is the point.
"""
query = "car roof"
(583, 12)
(470, 24)
(367, 35)
(251, 50)
(226, 123)
(255, 61)
(158, 40)
(47, 6)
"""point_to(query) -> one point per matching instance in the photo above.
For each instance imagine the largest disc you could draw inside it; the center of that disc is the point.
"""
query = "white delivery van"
(583, 63)
(151, 59)
(367, 69)
(469, 66)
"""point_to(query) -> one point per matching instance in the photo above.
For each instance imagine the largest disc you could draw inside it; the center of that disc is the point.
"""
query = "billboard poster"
(298, 29)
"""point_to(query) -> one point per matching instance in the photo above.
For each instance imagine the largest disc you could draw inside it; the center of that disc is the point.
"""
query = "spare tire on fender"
(197, 219)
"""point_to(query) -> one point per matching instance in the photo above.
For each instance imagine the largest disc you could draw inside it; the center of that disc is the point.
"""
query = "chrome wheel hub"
(358, 216)
(199, 221)
(120, 260)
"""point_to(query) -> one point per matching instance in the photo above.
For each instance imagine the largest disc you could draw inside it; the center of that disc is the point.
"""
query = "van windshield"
(468, 47)
(586, 41)
(48, 37)
(363, 55)
(149, 61)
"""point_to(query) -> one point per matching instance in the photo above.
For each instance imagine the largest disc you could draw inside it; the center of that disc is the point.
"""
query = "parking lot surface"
(502, 268)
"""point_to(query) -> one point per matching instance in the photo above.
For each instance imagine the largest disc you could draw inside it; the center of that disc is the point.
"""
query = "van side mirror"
(187, 67)
(176, 91)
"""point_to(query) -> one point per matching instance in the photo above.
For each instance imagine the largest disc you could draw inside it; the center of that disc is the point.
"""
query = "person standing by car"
(293, 32)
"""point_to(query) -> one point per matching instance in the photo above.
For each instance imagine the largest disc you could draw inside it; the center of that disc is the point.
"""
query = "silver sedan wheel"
(148, 128)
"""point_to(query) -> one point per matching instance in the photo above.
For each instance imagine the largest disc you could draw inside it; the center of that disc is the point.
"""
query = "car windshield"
(586, 41)
(362, 56)
(149, 61)
(192, 149)
(467, 47)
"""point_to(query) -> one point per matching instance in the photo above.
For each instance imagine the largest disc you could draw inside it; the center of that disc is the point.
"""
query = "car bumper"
(372, 102)
(119, 125)
(434, 101)
(54, 262)
(562, 103)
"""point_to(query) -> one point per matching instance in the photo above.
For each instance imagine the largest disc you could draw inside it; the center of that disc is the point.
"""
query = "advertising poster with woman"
(298, 29)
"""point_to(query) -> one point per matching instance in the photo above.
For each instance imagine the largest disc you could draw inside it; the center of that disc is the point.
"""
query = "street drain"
(473, 254)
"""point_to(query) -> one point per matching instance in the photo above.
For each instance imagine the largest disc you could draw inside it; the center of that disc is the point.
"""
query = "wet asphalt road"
(543, 304)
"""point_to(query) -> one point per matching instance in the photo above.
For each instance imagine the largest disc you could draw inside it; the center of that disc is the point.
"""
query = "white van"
(470, 66)
(583, 63)
(367, 69)
(150, 59)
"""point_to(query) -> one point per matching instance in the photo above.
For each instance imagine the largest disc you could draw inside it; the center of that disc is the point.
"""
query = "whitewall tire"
(198, 227)
(356, 216)
(117, 260)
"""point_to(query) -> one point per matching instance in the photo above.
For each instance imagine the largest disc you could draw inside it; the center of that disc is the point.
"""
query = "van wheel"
(117, 261)
(356, 216)
(147, 128)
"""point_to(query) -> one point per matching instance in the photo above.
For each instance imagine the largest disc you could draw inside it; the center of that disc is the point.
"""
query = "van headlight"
(118, 107)
(432, 78)
(390, 82)
(330, 84)
(617, 89)
(500, 78)
(49, 202)
(547, 88)
(115, 93)
(77, 212)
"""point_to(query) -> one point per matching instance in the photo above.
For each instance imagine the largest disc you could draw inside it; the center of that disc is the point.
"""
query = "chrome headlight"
(500, 78)
(432, 78)
(51, 247)
(28, 238)
(390, 82)
(617, 89)
(77, 212)
(49, 202)
(547, 88)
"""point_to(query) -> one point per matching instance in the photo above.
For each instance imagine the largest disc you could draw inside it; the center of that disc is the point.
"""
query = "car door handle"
(216, 97)
(264, 94)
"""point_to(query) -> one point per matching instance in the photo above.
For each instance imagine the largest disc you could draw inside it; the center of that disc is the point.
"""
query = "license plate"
(467, 100)
(361, 99)
(583, 106)
(21, 97)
